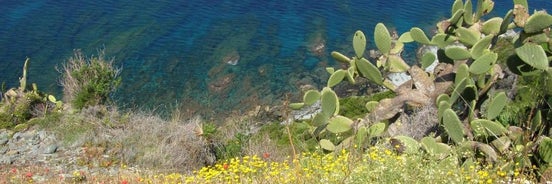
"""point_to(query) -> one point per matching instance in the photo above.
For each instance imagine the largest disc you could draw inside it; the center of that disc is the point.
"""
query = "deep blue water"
(172, 52)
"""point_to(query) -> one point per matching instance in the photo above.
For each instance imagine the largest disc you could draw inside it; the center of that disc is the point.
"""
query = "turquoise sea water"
(173, 54)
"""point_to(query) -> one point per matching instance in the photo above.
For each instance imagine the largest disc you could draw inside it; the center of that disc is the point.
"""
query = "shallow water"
(174, 53)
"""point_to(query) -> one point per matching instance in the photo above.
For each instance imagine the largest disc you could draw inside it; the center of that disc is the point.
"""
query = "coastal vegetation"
(474, 108)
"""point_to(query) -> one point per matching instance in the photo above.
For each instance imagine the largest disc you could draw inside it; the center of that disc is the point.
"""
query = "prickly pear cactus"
(545, 150)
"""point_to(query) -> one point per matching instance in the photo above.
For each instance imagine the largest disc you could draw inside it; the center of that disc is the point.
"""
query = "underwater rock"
(232, 58)
(221, 84)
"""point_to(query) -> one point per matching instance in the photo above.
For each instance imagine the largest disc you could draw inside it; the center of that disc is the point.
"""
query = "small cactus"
(456, 6)
(428, 59)
(310, 97)
(453, 126)
(495, 106)
(296, 106)
(397, 64)
(327, 145)
(369, 71)
(487, 128)
(457, 53)
(330, 102)
(359, 43)
(336, 77)
(456, 16)
(502, 144)
(468, 12)
(411, 145)
(23, 79)
(339, 124)
(468, 37)
(376, 129)
(443, 40)
(483, 64)
(461, 73)
(340, 57)
(492, 26)
(481, 47)
(538, 22)
(434, 148)
(533, 55)
(545, 150)
(382, 38)
(419, 36)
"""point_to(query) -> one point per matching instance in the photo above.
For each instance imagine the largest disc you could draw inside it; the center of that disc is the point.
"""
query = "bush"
(89, 81)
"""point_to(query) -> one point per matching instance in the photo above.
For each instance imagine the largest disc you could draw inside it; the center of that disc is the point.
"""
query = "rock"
(50, 149)
(3, 149)
(6, 160)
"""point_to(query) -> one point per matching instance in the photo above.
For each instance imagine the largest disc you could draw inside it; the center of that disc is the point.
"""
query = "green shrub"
(89, 81)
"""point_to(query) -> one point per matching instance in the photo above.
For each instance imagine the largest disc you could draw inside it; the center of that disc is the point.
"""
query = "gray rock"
(3, 149)
(50, 149)
(6, 160)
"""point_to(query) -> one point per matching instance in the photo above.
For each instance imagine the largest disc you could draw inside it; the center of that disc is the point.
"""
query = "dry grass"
(74, 82)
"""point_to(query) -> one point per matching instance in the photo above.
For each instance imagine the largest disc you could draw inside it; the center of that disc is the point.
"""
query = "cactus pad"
(359, 43)
(327, 145)
(538, 22)
(336, 77)
(487, 128)
(453, 126)
(457, 53)
(310, 97)
(491, 26)
(483, 64)
(495, 106)
(340, 57)
(419, 36)
(330, 102)
(382, 38)
(339, 124)
(369, 71)
(533, 55)
(545, 150)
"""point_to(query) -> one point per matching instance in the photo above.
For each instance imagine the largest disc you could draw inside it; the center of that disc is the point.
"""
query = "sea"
(204, 58)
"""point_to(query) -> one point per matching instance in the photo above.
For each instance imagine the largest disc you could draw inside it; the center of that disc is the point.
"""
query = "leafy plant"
(89, 81)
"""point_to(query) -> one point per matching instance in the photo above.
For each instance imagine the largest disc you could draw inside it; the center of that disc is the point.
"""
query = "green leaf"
(456, 16)
(468, 12)
(483, 63)
(412, 146)
(296, 106)
(461, 73)
(457, 53)
(495, 106)
(340, 57)
(397, 64)
(533, 55)
(371, 105)
(406, 38)
(453, 126)
(538, 22)
(428, 59)
(481, 46)
(330, 70)
(359, 43)
(486, 128)
(327, 145)
(369, 71)
(443, 40)
(382, 38)
(330, 102)
(545, 150)
(419, 36)
(310, 97)
(376, 129)
(336, 77)
(492, 26)
(506, 22)
(457, 5)
(467, 36)
(339, 124)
